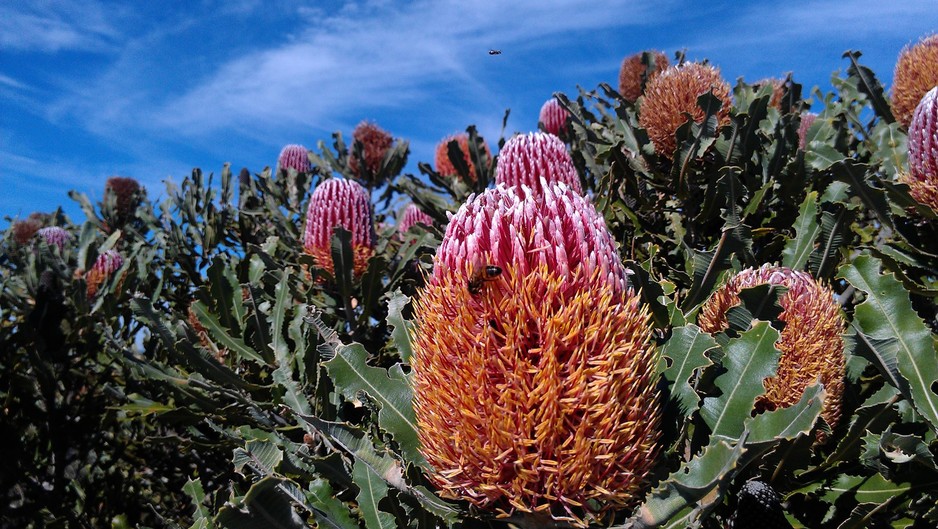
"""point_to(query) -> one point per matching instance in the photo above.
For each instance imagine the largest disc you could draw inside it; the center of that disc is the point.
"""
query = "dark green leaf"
(371, 490)
(389, 388)
(265, 506)
(901, 336)
(798, 249)
(748, 361)
(401, 328)
(687, 350)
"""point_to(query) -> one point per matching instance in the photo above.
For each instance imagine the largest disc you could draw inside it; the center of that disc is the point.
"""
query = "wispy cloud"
(52, 26)
(330, 68)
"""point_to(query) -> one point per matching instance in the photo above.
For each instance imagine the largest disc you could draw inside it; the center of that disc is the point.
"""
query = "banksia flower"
(127, 195)
(106, 264)
(634, 74)
(339, 202)
(672, 94)
(916, 73)
(443, 164)
(554, 118)
(23, 230)
(533, 369)
(54, 235)
(294, 157)
(807, 119)
(922, 177)
(526, 159)
(413, 215)
(376, 142)
(811, 342)
(778, 91)
(204, 340)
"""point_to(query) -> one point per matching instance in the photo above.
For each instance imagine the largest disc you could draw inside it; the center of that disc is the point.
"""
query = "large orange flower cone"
(534, 373)
(916, 73)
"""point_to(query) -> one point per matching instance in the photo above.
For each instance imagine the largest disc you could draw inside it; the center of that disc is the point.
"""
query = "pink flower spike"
(413, 215)
(54, 235)
(527, 159)
(294, 157)
(554, 118)
(339, 202)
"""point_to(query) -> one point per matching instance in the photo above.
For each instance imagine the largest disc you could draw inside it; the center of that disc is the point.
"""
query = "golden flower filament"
(811, 343)
(536, 393)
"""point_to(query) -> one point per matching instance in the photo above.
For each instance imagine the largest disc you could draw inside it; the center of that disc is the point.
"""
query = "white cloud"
(52, 26)
(366, 56)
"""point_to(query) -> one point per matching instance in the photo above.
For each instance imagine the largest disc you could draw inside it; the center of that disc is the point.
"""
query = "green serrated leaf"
(873, 416)
(834, 230)
(389, 388)
(220, 334)
(371, 490)
(260, 454)
(748, 361)
(401, 329)
(698, 483)
(788, 423)
(265, 506)
(328, 510)
(821, 156)
(798, 249)
(687, 350)
(901, 336)
(279, 315)
(892, 147)
(193, 489)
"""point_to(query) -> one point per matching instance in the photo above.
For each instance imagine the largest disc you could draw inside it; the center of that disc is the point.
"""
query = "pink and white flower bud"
(339, 202)
(527, 159)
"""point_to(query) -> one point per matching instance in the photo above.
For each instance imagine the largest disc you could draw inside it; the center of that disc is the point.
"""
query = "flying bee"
(480, 276)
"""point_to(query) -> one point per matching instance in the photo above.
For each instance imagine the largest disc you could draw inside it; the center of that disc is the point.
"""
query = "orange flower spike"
(536, 394)
(916, 73)
(441, 159)
(811, 342)
(632, 71)
(104, 267)
(672, 94)
(376, 142)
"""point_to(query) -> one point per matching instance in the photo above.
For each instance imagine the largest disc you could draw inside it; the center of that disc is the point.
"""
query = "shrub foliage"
(219, 378)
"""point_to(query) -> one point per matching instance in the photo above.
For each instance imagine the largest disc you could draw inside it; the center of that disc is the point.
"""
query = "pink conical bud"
(923, 151)
(554, 118)
(54, 235)
(413, 215)
(807, 119)
(294, 157)
(339, 202)
(529, 159)
(513, 227)
(106, 264)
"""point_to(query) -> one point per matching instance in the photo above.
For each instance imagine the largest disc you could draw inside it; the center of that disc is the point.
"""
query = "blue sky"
(93, 89)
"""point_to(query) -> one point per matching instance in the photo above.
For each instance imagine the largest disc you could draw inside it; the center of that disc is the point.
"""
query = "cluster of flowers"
(126, 194)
